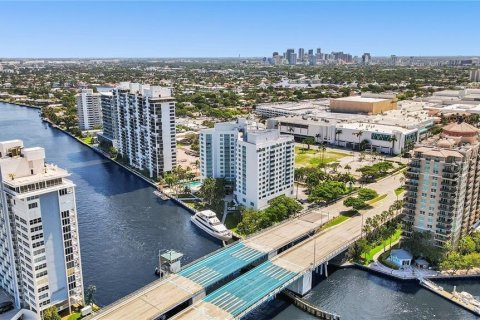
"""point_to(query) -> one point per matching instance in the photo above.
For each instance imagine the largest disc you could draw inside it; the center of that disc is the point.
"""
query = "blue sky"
(230, 29)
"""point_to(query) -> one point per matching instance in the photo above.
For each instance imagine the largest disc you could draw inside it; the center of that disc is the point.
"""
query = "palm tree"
(291, 129)
(337, 132)
(197, 166)
(317, 137)
(392, 139)
(299, 175)
(359, 136)
(323, 149)
(347, 167)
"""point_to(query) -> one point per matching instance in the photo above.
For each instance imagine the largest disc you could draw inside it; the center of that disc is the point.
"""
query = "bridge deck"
(160, 296)
(221, 265)
(250, 289)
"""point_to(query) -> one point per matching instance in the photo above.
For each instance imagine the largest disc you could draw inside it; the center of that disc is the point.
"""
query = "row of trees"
(465, 256)
(376, 230)
(279, 209)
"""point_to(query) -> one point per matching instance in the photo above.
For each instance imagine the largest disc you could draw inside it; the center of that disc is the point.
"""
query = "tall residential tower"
(443, 186)
(89, 109)
(139, 121)
(39, 246)
(259, 162)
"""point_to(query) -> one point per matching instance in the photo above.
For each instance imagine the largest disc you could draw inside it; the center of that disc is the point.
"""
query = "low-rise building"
(400, 257)
(362, 104)
(393, 132)
(270, 110)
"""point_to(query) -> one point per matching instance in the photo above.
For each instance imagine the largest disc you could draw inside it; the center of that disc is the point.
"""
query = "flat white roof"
(373, 127)
(361, 99)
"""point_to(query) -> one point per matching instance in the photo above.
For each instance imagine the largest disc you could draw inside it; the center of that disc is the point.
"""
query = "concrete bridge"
(283, 256)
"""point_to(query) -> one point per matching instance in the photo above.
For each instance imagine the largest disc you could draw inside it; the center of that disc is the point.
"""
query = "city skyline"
(354, 27)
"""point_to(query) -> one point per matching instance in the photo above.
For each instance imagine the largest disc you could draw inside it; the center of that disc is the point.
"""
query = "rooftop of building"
(50, 172)
(398, 118)
(296, 106)
(373, 127)
(462, 128)
(361, 99)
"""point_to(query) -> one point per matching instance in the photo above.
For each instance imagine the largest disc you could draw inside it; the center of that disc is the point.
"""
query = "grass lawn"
(313, 157)
(232, 220)
(399, 190)
(339, 219)
(73, 316)
(87, 140)
(375, 250)
(377, 199)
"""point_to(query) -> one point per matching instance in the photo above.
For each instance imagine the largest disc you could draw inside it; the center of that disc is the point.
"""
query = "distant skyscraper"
(301, 54)
(366, 59)
(475, 75)
(89, 109)
(393, 60)
(310, 52)
(40, 263)
(319, 51)
(292, 59)
(289, 56)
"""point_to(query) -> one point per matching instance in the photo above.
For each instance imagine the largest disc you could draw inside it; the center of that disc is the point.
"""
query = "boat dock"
(462, 299)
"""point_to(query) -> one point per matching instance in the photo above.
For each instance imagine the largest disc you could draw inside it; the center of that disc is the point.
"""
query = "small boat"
(161, 195)
(207, 221)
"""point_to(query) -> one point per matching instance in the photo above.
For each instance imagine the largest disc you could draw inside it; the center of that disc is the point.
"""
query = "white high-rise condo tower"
(89, 109)
(260, 162)
(140, 122)
(40, 263)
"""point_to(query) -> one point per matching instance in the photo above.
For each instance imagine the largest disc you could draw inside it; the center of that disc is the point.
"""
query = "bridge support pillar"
(199, 296)
(325, 266)
(302, 285)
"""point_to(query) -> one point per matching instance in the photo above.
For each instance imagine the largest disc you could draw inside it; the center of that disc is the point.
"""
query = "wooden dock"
(461, 299)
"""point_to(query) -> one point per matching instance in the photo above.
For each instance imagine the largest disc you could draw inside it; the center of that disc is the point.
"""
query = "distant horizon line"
(218, 57)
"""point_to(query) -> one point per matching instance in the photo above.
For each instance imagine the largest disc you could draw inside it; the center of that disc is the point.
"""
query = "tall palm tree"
(317, 137)
(359, 134)
(337, 132)
(299, 175)
(197, 166)
(392, 139)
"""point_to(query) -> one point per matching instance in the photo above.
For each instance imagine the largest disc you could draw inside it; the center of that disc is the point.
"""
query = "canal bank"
(122, 223)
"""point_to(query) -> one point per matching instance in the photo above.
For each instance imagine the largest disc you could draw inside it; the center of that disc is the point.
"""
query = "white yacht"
(207, 221)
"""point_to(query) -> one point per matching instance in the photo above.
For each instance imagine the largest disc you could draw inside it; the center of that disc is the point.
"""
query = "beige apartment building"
(443, 183)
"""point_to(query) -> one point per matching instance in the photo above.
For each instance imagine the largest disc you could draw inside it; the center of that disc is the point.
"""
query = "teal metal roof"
(222, 264)
(248, 289)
